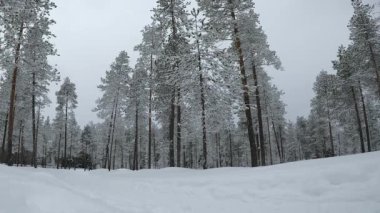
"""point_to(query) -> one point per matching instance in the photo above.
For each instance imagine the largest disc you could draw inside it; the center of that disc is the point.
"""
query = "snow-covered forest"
(199, 96)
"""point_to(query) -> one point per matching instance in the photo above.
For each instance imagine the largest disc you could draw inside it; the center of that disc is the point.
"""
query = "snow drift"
(344, 184)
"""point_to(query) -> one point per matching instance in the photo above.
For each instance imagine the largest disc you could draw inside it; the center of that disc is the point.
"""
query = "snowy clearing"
(345, 184)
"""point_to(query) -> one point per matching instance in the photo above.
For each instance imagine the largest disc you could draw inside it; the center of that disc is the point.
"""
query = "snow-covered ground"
(345, 184)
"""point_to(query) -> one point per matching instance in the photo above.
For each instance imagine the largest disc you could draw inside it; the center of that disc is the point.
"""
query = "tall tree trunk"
(231, 154)
(66, 119)
(122, 157)
(34, 137)
(171, 131)
(179, 114)
(331, 138)
(339, 152)
(38, 126)
(150, 112)
(109, 135)
(365, 119)
(360, 130)
(282, 144)
(277, 142)
(269, 142)
(22, 157)
(4, 138)
(219, 150)
(259, 112)
(114, 155)
(203, 103)
(243, 76)
(113, 129)
(59, 149)
(12, 98)
(154, 151)
(19, 143)
(135, 151)
(69, 161)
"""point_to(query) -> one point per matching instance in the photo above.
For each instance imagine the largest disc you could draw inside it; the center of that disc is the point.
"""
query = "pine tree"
(365, 37)
(67, 100)
(115, 87)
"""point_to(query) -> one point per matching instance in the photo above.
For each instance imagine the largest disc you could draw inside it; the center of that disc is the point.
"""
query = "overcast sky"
(90, 34)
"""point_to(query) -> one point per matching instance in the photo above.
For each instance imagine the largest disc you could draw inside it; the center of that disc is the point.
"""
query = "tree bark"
(282, 144)
(34, 154)
(113, 129)
(248, 111)
(66, 119)
(4, 138)
(109, 135)
(365, 119)
(135, 151)
(259, 112)
(359, 123)
(12, 98)
(19, 143)
(277, 142)
(114, 155)
(154, 152)
(59, 149)
(179, 114)
(203, 100)
(150, 116)
(231, 154)
(269, 142)
(171, 131)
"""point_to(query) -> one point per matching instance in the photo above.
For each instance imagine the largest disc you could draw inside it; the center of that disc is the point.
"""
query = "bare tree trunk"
(4, 138)
(365, 119)
(269, 142)
(154, 152)
(135, 151)
(114, 155)
(203, 100)
(277, 142)
(19, 143)
(360, 130)
(66, 119)
(59, 149)
(109, 135)
(248, 111)
(339, 152)
(172, 112)
(179, 129)
(171, 132)
(282, 144)
(113, 129)
(34, 154)
(122, 157)
(150, 113)
(38, 128)
(259, 112)
(219, 150)
(22, 147)
(231, 154)
(12, 98)
(331, 138)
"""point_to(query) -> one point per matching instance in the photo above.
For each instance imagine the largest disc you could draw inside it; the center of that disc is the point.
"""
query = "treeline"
(345, 111)
(199, 95)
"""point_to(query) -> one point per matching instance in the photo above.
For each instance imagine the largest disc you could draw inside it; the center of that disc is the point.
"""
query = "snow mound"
(344, 184)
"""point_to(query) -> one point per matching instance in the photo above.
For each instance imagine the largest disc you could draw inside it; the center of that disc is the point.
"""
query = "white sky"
(90, 34)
